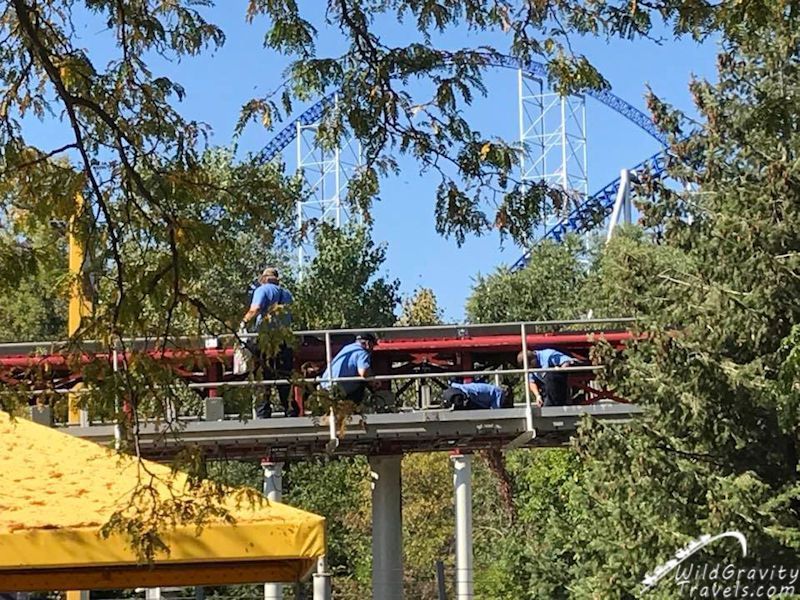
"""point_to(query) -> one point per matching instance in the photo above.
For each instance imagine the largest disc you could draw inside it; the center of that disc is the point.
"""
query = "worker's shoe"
(264, 411)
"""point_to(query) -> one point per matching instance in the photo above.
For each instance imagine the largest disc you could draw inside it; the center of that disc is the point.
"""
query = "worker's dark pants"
(554, 388)
(457, 400)
(355, 394)
(276, 367)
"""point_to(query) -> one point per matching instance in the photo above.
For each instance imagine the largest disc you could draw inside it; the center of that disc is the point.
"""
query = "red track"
(400, 351)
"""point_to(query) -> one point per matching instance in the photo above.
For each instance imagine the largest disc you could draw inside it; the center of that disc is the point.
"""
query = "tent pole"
(273, 490)
(322, 580)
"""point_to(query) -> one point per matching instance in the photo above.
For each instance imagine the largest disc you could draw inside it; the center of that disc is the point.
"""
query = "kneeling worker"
(550, 388)
(354, 360)
(472, 396)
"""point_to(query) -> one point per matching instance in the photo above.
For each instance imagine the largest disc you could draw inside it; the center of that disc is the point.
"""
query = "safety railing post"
(117, 426)
(530, 431)
(333, 443)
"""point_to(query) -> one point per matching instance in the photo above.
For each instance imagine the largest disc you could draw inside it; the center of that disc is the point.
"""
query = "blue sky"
(218, 84)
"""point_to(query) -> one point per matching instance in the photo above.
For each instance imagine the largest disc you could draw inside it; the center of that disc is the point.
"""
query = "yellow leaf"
(266, 118)
(485, 149)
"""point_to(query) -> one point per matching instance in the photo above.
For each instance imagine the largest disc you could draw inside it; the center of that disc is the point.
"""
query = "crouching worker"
(354, 360)
(550, 388)
(474, 396)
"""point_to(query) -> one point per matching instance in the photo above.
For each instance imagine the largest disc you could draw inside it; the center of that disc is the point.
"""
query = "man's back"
(549, 358)
(268, 295)
(347, 363)
(484, 395)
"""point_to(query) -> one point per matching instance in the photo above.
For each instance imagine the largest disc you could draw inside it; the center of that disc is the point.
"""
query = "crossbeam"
(370, 435)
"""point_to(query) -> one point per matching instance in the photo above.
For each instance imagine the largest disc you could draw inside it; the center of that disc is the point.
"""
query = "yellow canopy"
(56, 491)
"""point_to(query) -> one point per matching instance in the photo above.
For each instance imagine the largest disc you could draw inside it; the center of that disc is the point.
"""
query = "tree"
(717, 448)
(152, 210)
(547, 288)
(421, 308)
(33, 284)
(341, 287)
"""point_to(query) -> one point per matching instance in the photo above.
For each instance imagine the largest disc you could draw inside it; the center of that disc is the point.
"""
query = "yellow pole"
(79, 300)
(79, 306)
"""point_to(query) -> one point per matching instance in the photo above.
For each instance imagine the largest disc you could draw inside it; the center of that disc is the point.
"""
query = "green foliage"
(336, 490)
(34, 300)
(341, 288)
(161, 221)
(717, 449)
(547, 288)
(420, 309)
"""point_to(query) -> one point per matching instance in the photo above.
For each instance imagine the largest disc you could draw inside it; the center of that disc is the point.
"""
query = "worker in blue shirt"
(471, 396)
(270, 305)
(550, 388)
(354, 360)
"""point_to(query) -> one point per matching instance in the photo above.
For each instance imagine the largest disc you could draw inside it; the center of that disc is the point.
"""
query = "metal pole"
(117, 426)
(521, 108)
(334, 442)
(273, 490)
(564, 171)
(621, 203)
(322, 580)
(462, 479)
(199, 592)
(440, 587)
(300, 257)
(337, 168)
(387, 528)
(585, 150)
(526, 374)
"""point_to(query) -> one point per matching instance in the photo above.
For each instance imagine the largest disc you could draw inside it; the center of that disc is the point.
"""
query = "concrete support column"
(387, 528)
(152, 593)
(273, 490)
(462, 479)
(322, 580)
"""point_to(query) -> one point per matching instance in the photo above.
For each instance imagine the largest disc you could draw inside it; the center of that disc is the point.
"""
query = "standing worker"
(271, 302)
(354, 360)
(550, 388)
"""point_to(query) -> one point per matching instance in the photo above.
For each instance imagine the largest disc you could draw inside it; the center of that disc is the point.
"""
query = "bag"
(241, 355)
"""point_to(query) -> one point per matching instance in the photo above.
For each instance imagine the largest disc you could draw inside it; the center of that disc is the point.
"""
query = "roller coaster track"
(584, 217)
(595, 209)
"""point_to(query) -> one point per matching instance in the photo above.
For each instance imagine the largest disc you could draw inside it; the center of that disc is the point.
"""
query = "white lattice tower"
(327, 173)
(552, 132)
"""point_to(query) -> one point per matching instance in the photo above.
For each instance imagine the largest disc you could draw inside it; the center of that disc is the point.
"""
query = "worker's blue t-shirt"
(548, 359)
(484, 395)
(268, 295)
(346, 363)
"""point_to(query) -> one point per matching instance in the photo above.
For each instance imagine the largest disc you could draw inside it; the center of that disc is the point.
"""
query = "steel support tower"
(327, 172)
(552, 133)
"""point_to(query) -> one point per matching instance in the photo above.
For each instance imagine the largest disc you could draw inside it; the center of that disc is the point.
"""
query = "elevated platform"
(371, 435)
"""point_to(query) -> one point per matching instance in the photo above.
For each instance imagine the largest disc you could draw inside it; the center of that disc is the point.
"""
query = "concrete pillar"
(41, 414)
(387, 528)
(273, 490)
(462, 479)
(152, 593)
(322, 580)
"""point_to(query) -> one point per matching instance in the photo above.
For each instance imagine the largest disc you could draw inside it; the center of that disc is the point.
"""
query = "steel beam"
(273, 490)
(387, 528)
(427, 431)
(462, 480)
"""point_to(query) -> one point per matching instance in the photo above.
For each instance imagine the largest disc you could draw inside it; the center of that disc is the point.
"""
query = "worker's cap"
(367, 337)
(269, 273)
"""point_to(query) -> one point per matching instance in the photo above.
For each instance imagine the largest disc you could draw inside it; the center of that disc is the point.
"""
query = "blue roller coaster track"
(584, 217)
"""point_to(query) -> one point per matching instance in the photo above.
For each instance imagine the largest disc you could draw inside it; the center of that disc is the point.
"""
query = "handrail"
(175, 342)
